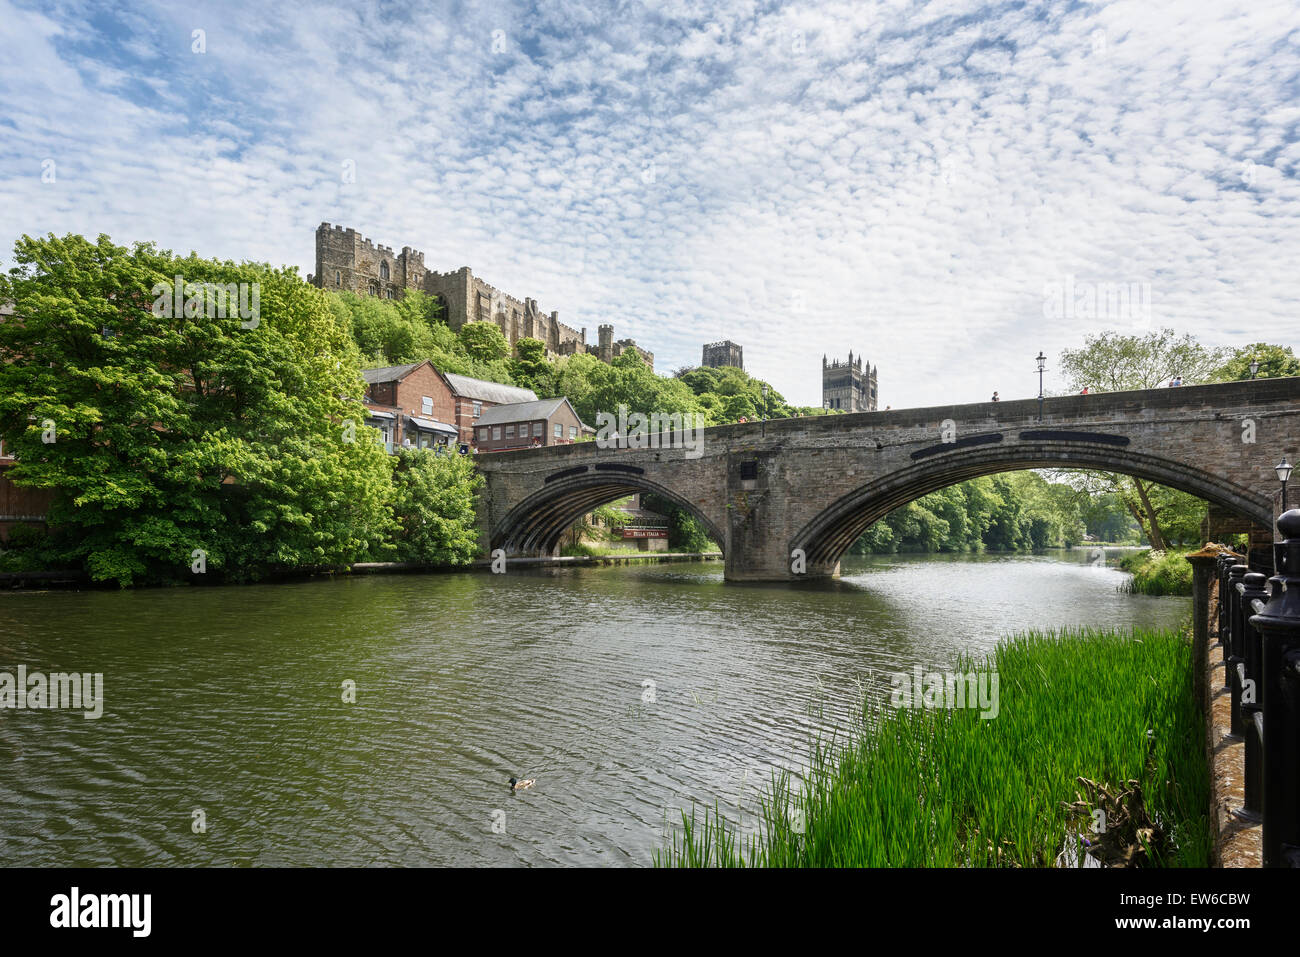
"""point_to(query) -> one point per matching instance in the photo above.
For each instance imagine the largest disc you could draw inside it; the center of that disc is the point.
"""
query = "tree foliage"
(1274, 362)
(434, 507)
(176, 442)
(1113, 362)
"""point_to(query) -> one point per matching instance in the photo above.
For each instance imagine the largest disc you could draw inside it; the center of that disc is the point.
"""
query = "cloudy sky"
(917, 182)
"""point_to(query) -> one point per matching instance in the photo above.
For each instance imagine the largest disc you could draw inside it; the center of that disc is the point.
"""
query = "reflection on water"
(627, 692)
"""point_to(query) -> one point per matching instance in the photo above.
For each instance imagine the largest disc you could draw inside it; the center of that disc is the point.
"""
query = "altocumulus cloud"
(903, 179)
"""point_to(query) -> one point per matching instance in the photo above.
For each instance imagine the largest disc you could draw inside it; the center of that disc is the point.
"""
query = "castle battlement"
(348, 262)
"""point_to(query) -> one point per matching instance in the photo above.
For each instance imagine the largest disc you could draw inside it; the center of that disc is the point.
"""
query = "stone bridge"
(817, 483)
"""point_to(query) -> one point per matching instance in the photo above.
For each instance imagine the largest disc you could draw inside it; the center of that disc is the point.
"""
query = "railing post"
(1254, 587)
(1235, 575)
(1204, 568)
(1226, 561)
(1279, 628)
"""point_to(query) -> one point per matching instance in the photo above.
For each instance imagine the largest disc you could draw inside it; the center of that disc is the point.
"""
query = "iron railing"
(1258, 624)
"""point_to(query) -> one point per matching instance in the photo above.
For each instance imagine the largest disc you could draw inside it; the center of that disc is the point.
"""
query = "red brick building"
(415, 405)
(524, 425)
(474, 396)
(19, 506)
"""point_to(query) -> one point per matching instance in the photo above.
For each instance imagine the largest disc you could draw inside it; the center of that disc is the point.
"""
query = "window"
(559, 430)
(537, 430)
(426, 405)
(338, 278)
(478, 409)
(749, 470)
(383, 269)
(573, 431)
(496, 432)
(392, 294)
(483, 434)
(374, 288)
(510, 431)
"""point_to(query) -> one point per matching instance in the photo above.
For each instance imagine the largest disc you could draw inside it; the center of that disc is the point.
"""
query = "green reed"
(947, 788)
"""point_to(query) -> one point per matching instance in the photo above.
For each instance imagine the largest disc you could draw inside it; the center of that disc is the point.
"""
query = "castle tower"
(605, 350)
(849, 386)
(724, 353)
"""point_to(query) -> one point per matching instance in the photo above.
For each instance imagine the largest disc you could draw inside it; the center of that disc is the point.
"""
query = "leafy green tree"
(484, 341)
(530, 367)
(1274, 362)
(184, 440)
(434, 507)
(1112, 362)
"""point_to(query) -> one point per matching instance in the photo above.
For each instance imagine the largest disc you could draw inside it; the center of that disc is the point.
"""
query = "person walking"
(1084, 391)
(995, 397)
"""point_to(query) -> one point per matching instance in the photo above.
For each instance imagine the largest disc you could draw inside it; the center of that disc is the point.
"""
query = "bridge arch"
(535, 525)
(828, 535)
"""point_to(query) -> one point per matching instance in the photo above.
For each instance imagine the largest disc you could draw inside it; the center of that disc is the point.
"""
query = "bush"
(1158, 573)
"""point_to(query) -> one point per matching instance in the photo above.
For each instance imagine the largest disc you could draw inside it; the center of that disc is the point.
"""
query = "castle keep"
(346, 260)
(848, 385)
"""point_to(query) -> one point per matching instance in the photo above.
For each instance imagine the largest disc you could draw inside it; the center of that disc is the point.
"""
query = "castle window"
(383, 269)
(392, 294)
(338, 278)
(374, 288)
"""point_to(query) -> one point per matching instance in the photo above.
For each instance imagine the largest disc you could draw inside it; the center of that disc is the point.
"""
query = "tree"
(434, 507)
(1111, 362)
(1274, 362)
(179, 440)
(484, 341)
(530, 367)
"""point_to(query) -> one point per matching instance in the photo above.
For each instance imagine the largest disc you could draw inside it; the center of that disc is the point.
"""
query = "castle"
(346, 260)
(848, 385)
(721, 354)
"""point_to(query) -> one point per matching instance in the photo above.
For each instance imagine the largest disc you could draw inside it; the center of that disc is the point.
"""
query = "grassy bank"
(946, 788)
(1158, 573)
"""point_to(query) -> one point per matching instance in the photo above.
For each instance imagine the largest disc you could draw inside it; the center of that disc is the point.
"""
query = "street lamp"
(1042, 359)
(1254, 367)
(764, 428)
(1283, 470)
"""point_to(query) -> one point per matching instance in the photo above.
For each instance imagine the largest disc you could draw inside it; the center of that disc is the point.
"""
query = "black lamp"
(1283, 470)
(1042, 366)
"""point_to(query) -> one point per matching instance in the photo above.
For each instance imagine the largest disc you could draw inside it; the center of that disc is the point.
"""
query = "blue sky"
(907, 180)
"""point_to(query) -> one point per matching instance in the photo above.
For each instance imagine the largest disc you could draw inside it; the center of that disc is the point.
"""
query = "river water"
(628, 692)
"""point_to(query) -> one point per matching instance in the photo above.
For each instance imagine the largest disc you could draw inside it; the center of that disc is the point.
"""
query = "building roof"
(389, 373)
(463, 385)
(522, 411)
(431, 425)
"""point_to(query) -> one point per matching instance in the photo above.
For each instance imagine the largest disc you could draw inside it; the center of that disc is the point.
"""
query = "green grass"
(1157, 573)
(940, 788)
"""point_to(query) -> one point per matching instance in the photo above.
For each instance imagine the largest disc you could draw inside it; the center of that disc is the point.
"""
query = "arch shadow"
(535, 525)
(828, 536)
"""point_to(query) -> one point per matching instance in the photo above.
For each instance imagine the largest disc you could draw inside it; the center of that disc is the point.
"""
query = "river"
(225, 739)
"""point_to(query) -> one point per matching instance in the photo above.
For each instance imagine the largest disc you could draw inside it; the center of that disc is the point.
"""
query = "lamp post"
(764, 427)
(1254, 367)
(1042, 359)
(1283, 470)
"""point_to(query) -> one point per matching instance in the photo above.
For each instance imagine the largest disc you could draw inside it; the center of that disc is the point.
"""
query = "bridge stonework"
(815, 484)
